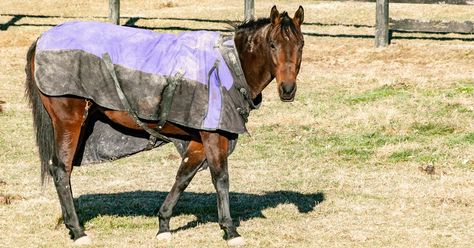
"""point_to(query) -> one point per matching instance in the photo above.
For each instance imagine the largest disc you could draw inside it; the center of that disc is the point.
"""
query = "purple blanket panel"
(191, 53)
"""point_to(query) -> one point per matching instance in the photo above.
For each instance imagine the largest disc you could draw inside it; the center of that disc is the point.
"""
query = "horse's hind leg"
(216, 147)
(67, 117)
(192, 160)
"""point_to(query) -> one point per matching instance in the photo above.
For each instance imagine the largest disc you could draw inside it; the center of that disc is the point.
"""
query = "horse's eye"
(300, 48)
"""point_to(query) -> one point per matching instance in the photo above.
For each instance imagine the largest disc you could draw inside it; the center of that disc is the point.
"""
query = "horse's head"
(286, 46)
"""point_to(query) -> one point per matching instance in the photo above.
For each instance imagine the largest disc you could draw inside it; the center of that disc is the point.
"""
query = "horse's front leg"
(217, 151)
(193, 159)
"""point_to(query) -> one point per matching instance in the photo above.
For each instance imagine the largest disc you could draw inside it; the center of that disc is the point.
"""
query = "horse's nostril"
(287, 88)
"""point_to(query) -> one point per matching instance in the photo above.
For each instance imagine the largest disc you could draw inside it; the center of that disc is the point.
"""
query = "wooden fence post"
(382, 38)
(249, 10)
(114, 11)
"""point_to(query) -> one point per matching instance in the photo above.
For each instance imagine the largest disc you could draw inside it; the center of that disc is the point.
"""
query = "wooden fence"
(114, 10)
(384, 25)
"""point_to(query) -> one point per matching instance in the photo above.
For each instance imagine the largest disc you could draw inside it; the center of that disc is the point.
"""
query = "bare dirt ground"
(376, 151)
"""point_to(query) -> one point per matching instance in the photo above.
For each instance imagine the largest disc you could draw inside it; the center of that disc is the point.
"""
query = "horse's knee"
(219, 175)
(223, 178)
(59, 174)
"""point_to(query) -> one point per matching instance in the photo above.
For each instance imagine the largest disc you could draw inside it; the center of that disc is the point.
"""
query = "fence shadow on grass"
(244, 206)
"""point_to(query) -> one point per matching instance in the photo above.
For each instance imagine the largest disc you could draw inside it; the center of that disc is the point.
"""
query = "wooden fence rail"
(384, 25)
(466, 27)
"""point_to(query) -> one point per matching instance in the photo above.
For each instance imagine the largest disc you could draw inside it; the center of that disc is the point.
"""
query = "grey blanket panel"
(64, 72)
(105, 141)
(143, 91)
(189, 105)
(74, 72)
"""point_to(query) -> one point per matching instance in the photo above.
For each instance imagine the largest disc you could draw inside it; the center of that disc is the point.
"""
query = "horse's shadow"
(244, 206)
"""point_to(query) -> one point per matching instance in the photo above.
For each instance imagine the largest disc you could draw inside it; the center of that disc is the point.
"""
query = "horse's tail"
(41, 120)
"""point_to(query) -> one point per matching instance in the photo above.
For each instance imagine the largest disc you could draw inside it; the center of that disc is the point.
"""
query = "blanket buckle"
(86, 110)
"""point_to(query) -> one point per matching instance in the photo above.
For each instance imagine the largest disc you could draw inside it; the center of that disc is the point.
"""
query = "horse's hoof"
(164, 236)
(84, 240)
(239, 241)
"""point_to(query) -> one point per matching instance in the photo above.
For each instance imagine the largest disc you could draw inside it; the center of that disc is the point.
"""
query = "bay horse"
(268, 48)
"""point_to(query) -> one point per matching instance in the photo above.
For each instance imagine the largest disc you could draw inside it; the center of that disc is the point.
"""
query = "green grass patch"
(402, 156)
(468, 138)
(426, 157)
(466, 87)
(449, 108)
(302, 141)
(356, 146)
(416, 155)
(461, 139)
(355, 153)
(431, 129)
(377, 139)
(286, 142)
(368, 140)
(374, 95)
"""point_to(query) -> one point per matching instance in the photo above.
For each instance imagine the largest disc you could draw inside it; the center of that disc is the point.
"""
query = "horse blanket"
(211, 94)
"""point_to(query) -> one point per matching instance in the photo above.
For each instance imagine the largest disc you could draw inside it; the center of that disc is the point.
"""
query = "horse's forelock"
(288, 28)
(285, 18)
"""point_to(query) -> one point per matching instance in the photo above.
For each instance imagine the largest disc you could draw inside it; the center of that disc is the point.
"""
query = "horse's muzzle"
(287, 92)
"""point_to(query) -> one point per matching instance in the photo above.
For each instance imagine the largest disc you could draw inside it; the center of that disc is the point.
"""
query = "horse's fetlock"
(164, 213)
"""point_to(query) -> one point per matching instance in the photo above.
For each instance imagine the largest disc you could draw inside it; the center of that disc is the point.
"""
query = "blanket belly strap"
(154, 133)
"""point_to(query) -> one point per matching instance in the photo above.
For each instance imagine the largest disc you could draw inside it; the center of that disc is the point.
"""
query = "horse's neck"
(253, 52)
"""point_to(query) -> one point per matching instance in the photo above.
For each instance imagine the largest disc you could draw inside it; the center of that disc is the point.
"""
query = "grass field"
(377, 150)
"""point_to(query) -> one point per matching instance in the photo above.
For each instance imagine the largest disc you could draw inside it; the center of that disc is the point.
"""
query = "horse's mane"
(252, 24)
(286, 25)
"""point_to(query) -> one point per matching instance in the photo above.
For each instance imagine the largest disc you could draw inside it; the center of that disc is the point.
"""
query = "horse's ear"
(299, 16)
(274, 15)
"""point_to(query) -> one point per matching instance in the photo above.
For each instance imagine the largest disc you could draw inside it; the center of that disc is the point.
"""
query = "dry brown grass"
(345, 165)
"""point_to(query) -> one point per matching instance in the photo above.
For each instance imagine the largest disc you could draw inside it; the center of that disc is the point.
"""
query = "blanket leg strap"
(126, 104)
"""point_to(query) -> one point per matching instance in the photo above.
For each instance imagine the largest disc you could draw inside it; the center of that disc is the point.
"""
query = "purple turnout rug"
(69, 61)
